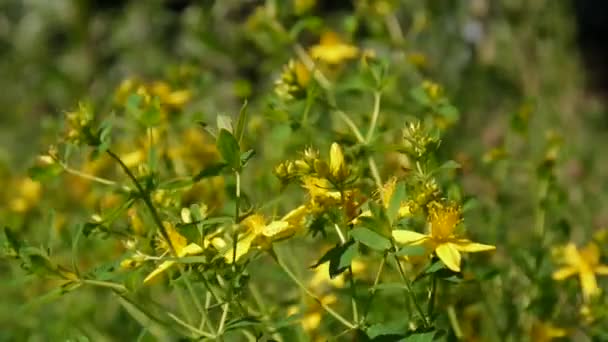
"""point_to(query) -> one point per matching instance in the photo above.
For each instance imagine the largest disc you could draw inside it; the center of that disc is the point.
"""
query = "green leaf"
(421, 337)
(390, 287)
(246, 156)
(395, 202)
(370, 238)
(210, 171)
(240, 125)
(450, 165)
(411, 251)
(12, 243)
(449, 112)
(339, 257)
(242, 323)
(151, 116)
(41, 173)
(434, 267)
(375, 331)
(229, 149)
(153, 324)
(420, 96)
(224, 122)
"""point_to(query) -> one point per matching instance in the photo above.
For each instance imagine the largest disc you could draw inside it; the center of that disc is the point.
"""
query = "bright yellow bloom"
(258, 233)
(585, 263)
(442, 240)
(336, 160)
(181, 246)
(332, 50)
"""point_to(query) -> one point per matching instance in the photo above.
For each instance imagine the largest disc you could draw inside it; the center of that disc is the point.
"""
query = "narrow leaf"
(371, 239)
(229, 149)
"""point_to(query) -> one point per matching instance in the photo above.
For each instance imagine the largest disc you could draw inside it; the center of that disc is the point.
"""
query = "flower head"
(181, 246)
(584, 262)
(442, 221)
(332, 50)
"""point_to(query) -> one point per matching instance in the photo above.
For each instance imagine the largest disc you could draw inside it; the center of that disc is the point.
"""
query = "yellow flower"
(332, 50)
(442, 219)
(337, 166)
(258, 233)
(585, 263)
(181, 246)
(320, 190)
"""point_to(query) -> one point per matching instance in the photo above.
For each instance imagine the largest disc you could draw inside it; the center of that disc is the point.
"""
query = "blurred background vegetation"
(513, 68)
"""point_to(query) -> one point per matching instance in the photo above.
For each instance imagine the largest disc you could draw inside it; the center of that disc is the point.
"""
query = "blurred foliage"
(479, 103)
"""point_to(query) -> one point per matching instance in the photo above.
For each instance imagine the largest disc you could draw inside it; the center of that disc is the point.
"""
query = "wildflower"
(585, 263)
(293, 81)
(260, 234)
(337, 166)
(78, 124)
(332, 50)
(417, 140)
(180, 245)
(443, 219)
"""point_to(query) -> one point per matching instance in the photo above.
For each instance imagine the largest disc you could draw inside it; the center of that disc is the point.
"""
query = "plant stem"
(329, 310)
(145, 196)
(90, 177)
(375, 115)
(431, 304)
(101, 283)
(225, 308)
(411, 292)
(352, 281)
(454, 322)
(191, 328)
(373, 288)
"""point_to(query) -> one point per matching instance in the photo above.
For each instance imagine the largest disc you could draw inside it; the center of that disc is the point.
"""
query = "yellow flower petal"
(588, 284)
(276, 229)
(191, 249)
(450, 256)
(336, 161)
(160, 269)
(564, 273)
(242, 247)
(409, 237)
(601, 269)
(177, 240)
(590, 254)
(468, 246)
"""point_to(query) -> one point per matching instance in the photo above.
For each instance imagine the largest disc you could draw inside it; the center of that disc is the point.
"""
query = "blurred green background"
(501, 63)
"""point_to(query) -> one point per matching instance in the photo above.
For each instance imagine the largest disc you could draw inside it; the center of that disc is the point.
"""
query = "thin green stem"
(309, 63)
(431, 304)
(194, 330)
(145, 196)
(329, 310)
(90, 177)
(197, 302)
(411, 293)
(107, 284)
(454, 322)
(375, 174)
(375, 115)
(368, 303)
(225, 309)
